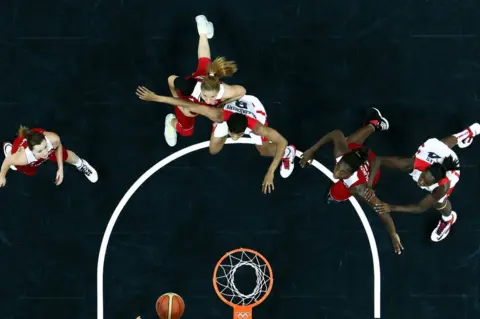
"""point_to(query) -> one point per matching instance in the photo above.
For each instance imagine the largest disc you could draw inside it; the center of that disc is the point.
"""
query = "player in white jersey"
(245, 116)
(436, 168)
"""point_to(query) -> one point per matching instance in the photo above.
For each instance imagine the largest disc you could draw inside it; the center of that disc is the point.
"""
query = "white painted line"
(196, 147)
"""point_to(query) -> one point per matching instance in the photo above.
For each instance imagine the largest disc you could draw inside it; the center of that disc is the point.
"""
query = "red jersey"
(190, 87)
(362, 175)
(32, 161)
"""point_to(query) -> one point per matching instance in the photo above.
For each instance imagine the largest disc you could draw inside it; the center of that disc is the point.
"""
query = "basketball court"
(160, 219)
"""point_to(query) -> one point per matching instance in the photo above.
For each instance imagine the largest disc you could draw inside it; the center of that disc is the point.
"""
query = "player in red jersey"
(33, 147)
(245, 116)
(352, 167)
(436, 168)
(203, 86)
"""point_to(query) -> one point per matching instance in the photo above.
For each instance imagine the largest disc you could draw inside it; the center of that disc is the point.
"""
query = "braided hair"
(439, 170)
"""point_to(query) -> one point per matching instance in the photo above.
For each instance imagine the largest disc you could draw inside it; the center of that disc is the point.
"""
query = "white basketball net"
(225, 278)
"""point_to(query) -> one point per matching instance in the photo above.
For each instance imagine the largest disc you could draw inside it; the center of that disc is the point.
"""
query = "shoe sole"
(383, 118)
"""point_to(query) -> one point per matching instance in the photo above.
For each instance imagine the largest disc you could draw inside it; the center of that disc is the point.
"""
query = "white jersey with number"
(252, 108)
(431, 152)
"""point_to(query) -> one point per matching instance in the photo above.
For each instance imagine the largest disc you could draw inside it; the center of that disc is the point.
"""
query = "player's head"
(36, 142)
(237, 124)
(350, 163)
(435, 172)
(216, 70)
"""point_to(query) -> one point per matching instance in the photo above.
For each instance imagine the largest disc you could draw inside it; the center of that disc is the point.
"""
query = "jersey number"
(241, 104)
(432, 156)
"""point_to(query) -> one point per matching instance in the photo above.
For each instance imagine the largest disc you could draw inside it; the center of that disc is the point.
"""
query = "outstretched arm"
(404, 164)
(359, 192)
(340, 146)
(214, 114)
(427, 202)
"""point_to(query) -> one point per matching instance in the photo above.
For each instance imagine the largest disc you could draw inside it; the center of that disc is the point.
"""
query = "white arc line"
(196, 147)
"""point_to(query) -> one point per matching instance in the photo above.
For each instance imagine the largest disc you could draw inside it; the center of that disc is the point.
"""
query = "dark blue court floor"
(72, 67)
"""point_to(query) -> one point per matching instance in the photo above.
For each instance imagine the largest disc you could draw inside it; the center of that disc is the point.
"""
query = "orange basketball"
(170, 306)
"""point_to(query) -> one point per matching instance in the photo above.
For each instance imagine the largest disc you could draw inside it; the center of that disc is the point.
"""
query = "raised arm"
(214, 114)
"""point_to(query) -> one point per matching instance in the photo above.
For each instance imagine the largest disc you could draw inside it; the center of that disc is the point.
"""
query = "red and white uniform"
(32, 162)
(252, 108)
(340, 191)
(434, 151)
(189, 88)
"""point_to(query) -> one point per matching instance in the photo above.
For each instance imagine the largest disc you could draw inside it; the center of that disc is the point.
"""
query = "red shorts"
(31, 170)
(339, 191)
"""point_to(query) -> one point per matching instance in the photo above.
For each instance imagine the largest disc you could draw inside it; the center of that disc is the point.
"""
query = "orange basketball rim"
(224, 281)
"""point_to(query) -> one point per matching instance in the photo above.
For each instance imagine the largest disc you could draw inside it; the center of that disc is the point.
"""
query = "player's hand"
(267, 186)
(307, 157)
(369, 194)
(383, 208)
(3, 181)
(145, 94)
(397, 244)
(59, 177)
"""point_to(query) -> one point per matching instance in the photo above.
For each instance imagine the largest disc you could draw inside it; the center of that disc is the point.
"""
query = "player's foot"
(88, 171)
(204, 26)
(443, 228)
(376, 119)
(465, 138)
(7, 151)
(170, 132)
(288, 161)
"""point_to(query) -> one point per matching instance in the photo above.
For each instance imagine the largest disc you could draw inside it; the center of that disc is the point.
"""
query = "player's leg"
(268, 149)
(449, 217)
(178, 123)
(464, 138)
(375, 122)
(82, 165)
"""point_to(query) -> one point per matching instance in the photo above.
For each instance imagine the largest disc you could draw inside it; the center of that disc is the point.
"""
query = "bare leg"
(216, 144)
(445, 208)
(73, 158)
(450, 141)
(203, 47)
(361, 134)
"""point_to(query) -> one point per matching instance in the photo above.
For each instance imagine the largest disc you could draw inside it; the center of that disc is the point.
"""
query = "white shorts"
(221, 129)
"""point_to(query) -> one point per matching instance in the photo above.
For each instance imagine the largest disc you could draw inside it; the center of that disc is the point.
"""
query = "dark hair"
(33, 138)
(237, 123)
(439, 170)
(355, 158)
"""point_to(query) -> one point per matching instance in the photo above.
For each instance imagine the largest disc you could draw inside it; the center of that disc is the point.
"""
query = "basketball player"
(436, 168)
(32, 147)
(352, 167)
(245, 116)
(203, 86)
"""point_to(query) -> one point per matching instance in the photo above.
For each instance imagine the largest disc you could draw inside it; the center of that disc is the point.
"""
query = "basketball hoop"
(224, 281)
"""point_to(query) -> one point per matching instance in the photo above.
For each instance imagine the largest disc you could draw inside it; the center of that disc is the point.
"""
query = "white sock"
(78, 163)
(447, 218)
